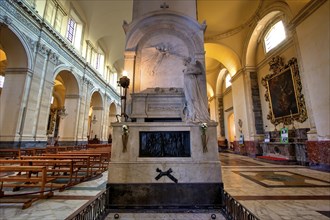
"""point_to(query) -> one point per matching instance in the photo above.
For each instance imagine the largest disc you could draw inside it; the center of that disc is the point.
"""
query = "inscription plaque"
(164, 144)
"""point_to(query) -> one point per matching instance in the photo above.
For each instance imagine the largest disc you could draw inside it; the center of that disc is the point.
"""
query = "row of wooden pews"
(53, 168)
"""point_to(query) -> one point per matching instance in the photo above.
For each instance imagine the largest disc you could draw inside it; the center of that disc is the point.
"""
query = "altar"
(293, 150)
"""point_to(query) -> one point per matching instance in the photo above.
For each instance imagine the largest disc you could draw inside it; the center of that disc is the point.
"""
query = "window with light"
(54, 14)
(2, 81)
(275, 35)
(74, 30)
(228, 83)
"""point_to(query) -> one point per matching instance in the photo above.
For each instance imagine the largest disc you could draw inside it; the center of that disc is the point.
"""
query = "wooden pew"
(98, 160)
(80, 163)
(9, 153)
(58, 169)
(26, 180)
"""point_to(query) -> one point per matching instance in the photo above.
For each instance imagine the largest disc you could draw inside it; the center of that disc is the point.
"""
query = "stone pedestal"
(184, 179)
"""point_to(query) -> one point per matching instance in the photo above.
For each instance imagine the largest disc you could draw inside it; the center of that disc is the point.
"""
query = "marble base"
(165, 196)
(318, 152)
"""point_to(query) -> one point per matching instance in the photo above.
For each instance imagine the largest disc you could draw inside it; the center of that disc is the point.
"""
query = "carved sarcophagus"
(155, 104)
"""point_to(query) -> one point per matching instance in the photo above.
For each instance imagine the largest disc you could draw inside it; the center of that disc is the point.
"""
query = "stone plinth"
(133, 178)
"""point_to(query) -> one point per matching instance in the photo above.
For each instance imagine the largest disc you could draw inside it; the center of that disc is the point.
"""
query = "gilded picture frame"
(284, 93)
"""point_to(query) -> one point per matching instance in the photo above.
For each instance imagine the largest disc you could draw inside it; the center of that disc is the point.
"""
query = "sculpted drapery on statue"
(195, 101)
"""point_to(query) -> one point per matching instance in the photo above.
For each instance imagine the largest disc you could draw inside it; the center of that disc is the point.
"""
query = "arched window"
(275, 35)
(228, 83)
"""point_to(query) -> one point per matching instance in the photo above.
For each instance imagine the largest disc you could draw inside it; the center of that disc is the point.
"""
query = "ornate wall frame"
(283, 92)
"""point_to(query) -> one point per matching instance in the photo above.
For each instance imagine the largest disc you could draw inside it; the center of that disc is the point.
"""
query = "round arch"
(224, 55)
(272, 12)
(19, 54)
(63, 118)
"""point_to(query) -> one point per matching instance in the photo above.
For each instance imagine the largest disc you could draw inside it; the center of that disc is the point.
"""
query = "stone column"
(44, 98)
(68, 125)
(13, 104)
(243, 109)
(84, 110)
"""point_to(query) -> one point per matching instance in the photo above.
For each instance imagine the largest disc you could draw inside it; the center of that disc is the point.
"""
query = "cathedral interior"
(228, 98)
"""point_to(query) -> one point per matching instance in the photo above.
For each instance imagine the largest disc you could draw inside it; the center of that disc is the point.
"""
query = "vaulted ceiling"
(227, 24)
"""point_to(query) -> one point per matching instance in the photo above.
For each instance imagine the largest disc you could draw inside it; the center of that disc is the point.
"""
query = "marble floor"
(277, 191)
(269, 191)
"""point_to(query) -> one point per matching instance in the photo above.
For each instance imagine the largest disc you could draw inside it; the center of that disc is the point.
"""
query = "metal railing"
(233, 210)
(93, 210)
(96, 209)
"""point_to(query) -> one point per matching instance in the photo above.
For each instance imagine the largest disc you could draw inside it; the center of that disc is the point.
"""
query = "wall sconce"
(124, 84)
(62, 112)
(94, 120)
(240, 124)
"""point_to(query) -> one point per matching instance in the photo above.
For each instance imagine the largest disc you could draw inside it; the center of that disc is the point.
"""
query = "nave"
(269, 191)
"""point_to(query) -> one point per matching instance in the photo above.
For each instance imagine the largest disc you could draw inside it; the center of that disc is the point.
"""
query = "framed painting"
(283, 92)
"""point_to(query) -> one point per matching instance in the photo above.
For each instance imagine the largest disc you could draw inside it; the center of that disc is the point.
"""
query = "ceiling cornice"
(233, 31)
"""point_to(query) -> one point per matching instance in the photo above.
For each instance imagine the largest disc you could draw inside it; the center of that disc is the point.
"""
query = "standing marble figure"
(195, 101)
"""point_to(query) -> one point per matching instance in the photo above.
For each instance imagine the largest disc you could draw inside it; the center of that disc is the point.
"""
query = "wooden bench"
(9, 153)
(26, 180)
(98, 160)
(80, 163)
(58, 169)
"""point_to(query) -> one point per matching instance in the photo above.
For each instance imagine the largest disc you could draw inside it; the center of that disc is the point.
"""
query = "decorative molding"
(229, 109)
(98, 108)
(7, 20)
(237, 75)
(305, 12)
(72, 96)
(9, 7)
(32, 43)
(227, 91)
(43, 49)
(254, 18)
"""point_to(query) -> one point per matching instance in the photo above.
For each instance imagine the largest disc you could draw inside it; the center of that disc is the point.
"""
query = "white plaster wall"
(227, 103)
(314, 48)
(240, 105)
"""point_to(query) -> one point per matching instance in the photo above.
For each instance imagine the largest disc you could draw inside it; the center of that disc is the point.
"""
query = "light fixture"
(62, 112)
(94, 119)
(124, 84)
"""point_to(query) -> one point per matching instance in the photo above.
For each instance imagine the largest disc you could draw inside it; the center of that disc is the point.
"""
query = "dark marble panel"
(282, 179)
(165, 195)
(164, 144)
